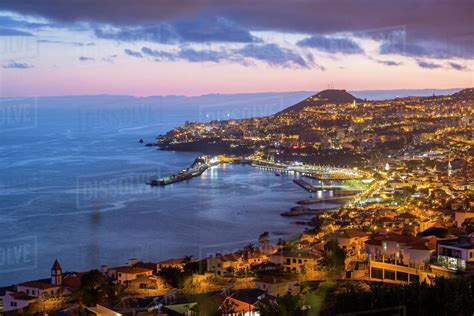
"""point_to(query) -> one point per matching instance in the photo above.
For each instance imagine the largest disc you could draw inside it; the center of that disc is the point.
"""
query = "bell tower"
(56, 273)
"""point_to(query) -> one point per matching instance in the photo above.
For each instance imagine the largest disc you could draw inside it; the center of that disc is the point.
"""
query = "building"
(277, 286)
(177, 263)
(295, 261)
(397, 273)
(407, 250)
(461, 215)
(353, 241)
(456, 255)
(225, 264)
(128, 274)
(29, 292)
(242, 302)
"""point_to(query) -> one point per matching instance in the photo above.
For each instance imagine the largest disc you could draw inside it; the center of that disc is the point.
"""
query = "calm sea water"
(72, 187)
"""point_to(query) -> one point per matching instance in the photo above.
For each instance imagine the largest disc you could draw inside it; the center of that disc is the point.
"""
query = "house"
(223, 264)
(29, 292)
(295, 261)
(255, 257)
(100, 310)
(461, 215)
(242, 302)
(456, 254)
(408, 250)
(17, 301)
(277, 286)
(127, 274)
(177, 263)
(352, 240)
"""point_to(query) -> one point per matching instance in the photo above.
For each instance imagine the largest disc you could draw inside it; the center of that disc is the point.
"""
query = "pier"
(199, 165)
(313, 188)
(336, 199)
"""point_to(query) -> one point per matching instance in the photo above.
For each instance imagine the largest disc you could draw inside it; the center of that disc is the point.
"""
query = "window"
(376, 273)
(402, 276)
(288, 261)
(414, 278)
(299, 261)
(28, 291)
(389, 274)
(294, 260)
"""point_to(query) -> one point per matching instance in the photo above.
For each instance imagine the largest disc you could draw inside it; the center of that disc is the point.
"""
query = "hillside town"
(410, 230)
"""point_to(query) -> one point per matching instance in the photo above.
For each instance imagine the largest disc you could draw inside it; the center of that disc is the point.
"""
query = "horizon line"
(219, 93)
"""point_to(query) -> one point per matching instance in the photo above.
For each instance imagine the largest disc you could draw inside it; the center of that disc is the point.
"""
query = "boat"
(277, 174)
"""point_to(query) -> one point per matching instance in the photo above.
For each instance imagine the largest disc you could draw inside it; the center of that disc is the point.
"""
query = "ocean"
(72, 184)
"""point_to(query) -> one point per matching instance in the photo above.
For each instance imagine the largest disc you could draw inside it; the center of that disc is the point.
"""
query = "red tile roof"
(133, 270)
(22, 296)
(38, 285)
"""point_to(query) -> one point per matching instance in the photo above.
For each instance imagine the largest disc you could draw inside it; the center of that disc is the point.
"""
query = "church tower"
(56, 274)
(450, 169)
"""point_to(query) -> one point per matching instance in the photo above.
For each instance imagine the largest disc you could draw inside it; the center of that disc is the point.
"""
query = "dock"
(199, 165)
(314, 188)
(336, 199)
(301, 210)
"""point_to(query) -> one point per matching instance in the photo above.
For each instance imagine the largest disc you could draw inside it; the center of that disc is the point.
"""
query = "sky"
(194, 47)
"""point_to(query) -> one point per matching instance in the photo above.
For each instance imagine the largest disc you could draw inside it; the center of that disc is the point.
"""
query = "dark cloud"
(196, 30)
(443, 23)
(18, 23)
(159, 54)
(425, 49)
(162, 33)
(133, 53)
(458, 66)
(80, 44)
(389, 63)
(110, 59)
(331, 44)
(273, 55)
(428, 65)
(14, 32)
(85, 58)
(15, 65)
(193, 55)
(118, 12)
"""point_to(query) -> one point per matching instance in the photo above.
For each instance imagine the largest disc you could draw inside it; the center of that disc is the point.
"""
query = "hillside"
(323, 97)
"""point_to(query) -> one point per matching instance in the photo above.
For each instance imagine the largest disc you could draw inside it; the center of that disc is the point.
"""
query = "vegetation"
(95, 288)
(177, 278)
(334, 256)
(264, 238)
(454, 296)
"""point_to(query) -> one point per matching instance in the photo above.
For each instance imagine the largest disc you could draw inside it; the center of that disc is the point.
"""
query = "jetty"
(302, 210)
(200, 164)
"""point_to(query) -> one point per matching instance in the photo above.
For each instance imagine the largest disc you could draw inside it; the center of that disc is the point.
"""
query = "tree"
(94, 288)
(172, 276)
(281, 242)
(264, 238)
(468, 225)
(283, 305)
(334, 256)
(249, 248)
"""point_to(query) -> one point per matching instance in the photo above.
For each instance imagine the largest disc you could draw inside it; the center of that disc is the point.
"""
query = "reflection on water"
(83, 197)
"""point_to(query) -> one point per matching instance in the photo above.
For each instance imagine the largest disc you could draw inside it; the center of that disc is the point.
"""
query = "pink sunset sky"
(200, 47)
